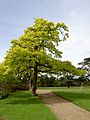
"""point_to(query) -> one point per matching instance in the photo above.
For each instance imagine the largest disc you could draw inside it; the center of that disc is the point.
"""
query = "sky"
(17, 15)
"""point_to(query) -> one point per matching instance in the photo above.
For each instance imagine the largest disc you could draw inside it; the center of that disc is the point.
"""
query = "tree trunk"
(34, 83)
(29, 85)
(81, 86)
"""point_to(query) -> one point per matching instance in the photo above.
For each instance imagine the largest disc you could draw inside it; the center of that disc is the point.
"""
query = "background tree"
(85, 65)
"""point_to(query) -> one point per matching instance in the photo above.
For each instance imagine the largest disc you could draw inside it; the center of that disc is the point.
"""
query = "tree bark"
(81, 86)
(29, 84)
(34, 83)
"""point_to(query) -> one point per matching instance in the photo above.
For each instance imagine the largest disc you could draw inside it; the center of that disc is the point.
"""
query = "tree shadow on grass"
(23, 98)
(26, 97)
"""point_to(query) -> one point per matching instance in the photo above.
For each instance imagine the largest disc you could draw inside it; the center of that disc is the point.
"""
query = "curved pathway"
(63, 109)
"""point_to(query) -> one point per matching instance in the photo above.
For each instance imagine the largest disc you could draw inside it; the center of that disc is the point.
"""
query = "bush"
(4, 94)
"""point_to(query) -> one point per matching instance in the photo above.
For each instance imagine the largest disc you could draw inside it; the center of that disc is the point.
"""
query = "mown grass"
(74, 94)
(22, 106)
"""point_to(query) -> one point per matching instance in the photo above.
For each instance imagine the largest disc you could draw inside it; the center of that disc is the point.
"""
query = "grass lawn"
(22, 106)
(74, 94)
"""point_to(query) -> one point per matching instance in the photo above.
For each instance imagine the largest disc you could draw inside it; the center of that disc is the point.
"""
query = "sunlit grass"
(22, 106)
(75, 95)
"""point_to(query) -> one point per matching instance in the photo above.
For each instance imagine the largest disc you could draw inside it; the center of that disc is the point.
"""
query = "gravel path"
(63, 109)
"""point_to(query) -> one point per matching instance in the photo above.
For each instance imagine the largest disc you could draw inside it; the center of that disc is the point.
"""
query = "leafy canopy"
(37, 50)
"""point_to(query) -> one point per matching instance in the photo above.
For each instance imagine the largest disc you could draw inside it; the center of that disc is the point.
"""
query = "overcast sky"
(17, 15)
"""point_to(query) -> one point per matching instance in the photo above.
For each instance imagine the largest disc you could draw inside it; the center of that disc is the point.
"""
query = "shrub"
(4, 94)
